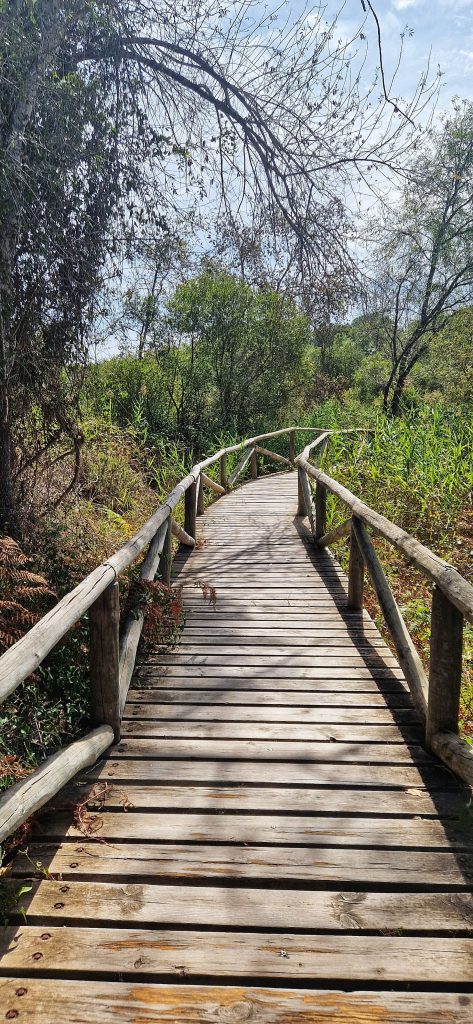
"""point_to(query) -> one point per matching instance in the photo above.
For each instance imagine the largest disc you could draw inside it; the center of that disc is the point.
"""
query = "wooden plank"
(194, 861)
(144, 903)
(285, 799)
(217, 641)
(260, 750)
(287, 773)
(120, 1002)
(184, 954)
(282, 732)
(270, 828)
(263, 676)
(343, 698)
(249, 713)
(246, 655)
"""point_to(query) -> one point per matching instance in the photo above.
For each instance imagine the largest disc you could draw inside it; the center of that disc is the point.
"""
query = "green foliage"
(240, 359)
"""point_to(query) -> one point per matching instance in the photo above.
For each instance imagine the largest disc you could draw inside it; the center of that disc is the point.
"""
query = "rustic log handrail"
(437, 698)
(112, 656)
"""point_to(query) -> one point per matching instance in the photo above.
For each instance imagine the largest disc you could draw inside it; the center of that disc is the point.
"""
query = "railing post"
(306, 493)
(104, 622)
(356, 572)
(254, 465)
(200, 497)
(292, 446)
(320, 510)
(301, 510)
(190, 502)
(223, 472)
(165, 561)
(446, 640)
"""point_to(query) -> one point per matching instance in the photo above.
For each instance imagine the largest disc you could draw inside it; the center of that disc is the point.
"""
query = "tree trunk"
(7, 505)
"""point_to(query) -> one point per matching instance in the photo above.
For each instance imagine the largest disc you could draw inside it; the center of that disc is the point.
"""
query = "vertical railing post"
(306, 493)
(301, 509)
(292, 446)
(200, 497)
(104, 622)
(320, 510)
(254, 466)
(190, 504)
(223, 472)
(356, 572)
(165, 561)
(446, 641)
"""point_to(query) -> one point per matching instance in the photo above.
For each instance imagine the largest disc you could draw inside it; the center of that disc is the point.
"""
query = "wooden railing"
(113, 652)
(437, 697)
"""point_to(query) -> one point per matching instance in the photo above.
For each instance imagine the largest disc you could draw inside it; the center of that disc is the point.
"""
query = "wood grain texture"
(184, 954)
(270, 818)
(153, 862)
(121, 1002)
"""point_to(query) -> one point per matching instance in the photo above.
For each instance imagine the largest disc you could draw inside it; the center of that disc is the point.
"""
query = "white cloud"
(401, 5)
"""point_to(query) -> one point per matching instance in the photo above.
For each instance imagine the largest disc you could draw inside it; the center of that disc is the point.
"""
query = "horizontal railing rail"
(436, 696)
(113, 652)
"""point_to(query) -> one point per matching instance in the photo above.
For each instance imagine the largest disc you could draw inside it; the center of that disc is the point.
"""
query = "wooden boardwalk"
(269, 841)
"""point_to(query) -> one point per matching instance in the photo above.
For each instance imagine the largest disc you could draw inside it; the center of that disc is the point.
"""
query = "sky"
(441, 28)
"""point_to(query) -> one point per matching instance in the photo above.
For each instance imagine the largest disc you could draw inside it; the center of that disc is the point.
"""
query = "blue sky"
(443, 28)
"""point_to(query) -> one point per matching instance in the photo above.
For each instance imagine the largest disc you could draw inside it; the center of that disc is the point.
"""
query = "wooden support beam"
(408, 657)
(165, 562)
(26, 797)
(320, 511)
(254, 465)
(223, 471)
(301, 509)
(446, 640)
(307, 497)
(190, 509)
(132, 629)
(340, 531)
(272, 455)
(208, 482)
(356, 574)
(240, 466)
(292, 446)
(200, 496)
(181, 535)
(104, 622)
(455, 752)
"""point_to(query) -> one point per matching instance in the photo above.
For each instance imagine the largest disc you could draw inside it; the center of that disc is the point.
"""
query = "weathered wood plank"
(265, 828)
(238, 954)
(293, 701)
(376, 716)
(285, 799)
(283, 732)
(260, 750)
(310, 773)
(383, 867)
(142, 903)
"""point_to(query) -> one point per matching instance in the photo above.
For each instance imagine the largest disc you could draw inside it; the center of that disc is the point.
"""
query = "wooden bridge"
(271, 837)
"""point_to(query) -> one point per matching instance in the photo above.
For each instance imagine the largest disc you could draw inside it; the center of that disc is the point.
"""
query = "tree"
(424, 264)
(111, 115)
(237, 357)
